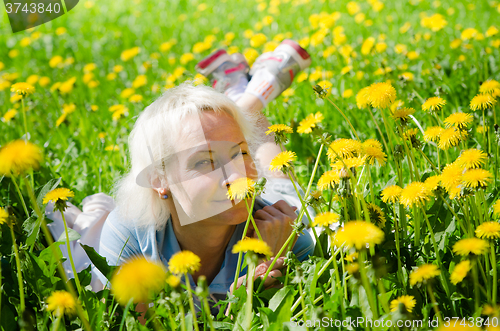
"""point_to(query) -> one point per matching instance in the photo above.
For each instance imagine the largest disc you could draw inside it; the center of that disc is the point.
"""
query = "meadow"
(394, 129)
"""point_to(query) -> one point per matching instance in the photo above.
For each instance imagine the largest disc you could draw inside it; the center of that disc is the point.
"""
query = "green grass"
(73, 151)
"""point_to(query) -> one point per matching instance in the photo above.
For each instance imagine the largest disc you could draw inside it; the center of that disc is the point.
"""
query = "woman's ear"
(162, 192)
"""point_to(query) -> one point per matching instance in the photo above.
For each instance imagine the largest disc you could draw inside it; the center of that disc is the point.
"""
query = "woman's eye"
(203, 162)
(240, 152)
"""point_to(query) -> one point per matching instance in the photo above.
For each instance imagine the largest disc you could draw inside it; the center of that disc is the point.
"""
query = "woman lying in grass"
(186, 150)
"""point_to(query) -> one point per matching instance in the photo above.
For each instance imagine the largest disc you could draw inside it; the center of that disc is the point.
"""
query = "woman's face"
(211, 154)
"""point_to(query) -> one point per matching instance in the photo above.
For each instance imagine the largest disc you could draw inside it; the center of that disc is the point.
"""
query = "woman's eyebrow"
(212, 151)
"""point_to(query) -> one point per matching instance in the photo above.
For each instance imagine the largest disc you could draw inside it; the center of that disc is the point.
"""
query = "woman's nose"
(231, 172)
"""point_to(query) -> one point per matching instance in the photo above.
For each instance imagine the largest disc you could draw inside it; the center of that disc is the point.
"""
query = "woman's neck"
(207, 241)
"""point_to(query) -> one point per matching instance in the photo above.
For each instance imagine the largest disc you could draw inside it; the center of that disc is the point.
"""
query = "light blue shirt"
(161, 245)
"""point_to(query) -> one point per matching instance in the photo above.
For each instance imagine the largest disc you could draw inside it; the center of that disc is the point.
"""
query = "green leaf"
(32, 225)
(72, 234)
(278, 298)
(100, 262)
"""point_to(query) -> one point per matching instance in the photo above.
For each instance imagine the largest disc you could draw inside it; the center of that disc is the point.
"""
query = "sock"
(264, 85)
(237, 90)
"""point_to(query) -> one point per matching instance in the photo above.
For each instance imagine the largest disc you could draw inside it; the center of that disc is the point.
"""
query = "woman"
(186, 149)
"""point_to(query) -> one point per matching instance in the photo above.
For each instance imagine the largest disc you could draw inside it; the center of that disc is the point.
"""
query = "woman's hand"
(274, 224)
(260, 271)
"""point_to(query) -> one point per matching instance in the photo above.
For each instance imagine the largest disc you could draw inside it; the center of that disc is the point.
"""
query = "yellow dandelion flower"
(407, 301)
(186, 58)
(410, 134)
(482, 101)
(432, 182)
(490, 230)
(433, 133)
(282, 160)
(173, 281)
(184, 262)
(130, 53)
(468, 246)
(328, 179)
(58, 194)
(415, 193)
(9, 115)
(307, 124)
(136, 98)
(326, 219)
(358, 234)
(489, 310)
(381, 95)
(403, 114)
(139, 81)
(391, 194)
(344, 164)
(489, 86)
(461, 270)
(258, 40)
(279, 128)
(18, 157)
(112, 148)
(433, 104)
(351, 257)
(254, 245)
(424, 273)
(472, 158)
(352, 268)
(450, 137)
(240, 188)
(23, 89)
(4, 215)
(362, 98)
(61, 302)
(377, 216)
(451, 178)
(496, 208)
(476, 178)
(344, 148)
(374, 153)
(459, 120)
(137, 279)
(481, 129)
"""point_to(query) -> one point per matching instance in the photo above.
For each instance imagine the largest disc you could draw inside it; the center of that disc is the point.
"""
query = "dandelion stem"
(57, 323)
(183, 318)
(389, 151)
(345, 117)
(252, 219)
(70, 255)
(290, 238)
(20, 196)
(24, 120)
(240, 254)
(19, 271)
(191, 303)
(248, 311)
(396, 235)
(304, 207)
(434, 304)
(207, 309)
(476, 288)
(428, 160)
(50, 241)
(366, 283)
(438, 258)
(494, 264)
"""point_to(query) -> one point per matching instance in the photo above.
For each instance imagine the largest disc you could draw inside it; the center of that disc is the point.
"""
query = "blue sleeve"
(117, 242)
(304, 246)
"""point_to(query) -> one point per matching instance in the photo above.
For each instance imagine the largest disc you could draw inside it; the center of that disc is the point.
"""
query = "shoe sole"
(298, 53)
(212, 62)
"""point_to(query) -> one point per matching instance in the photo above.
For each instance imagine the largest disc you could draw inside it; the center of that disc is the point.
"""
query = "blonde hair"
(163, 121)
